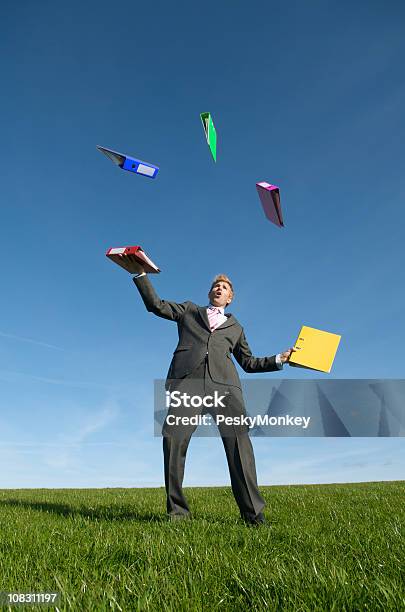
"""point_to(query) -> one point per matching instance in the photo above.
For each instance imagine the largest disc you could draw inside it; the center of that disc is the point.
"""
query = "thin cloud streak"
(12, 376)
(323, 459)
(59, 444)
(62, 458)
(31, 341)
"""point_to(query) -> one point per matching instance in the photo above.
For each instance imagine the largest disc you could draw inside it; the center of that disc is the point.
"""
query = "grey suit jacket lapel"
(230, 321)
(203, 314)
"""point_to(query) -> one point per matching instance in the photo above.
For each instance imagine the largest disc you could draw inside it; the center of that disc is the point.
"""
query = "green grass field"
(326, 547)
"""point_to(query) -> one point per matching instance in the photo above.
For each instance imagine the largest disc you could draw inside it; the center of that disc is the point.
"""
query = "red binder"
(127, 256)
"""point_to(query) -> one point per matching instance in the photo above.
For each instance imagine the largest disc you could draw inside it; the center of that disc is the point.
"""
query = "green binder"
(210, 133)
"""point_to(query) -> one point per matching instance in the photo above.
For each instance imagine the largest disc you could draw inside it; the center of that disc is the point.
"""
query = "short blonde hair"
(225, 279)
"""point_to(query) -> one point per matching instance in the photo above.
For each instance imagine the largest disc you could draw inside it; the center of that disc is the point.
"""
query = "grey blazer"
(196, 340)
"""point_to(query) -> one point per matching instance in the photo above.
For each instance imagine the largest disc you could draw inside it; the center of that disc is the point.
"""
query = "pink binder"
(270, 198)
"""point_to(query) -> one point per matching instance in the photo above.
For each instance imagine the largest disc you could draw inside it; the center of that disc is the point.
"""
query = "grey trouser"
(236, 441)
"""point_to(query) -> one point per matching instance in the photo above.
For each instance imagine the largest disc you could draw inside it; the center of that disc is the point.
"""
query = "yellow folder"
(316, 349)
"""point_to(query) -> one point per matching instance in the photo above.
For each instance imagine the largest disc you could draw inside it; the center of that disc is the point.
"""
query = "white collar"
(220, 308)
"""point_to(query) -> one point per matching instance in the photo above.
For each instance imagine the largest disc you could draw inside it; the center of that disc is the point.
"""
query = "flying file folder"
(316, 349)
(130, 163)
(210, 133)
(127, 256)
(270, 198)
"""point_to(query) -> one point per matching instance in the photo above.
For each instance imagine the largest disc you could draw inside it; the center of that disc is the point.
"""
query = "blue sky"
(308, 96)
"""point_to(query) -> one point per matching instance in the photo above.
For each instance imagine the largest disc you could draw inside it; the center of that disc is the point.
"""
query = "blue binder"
(130, 163)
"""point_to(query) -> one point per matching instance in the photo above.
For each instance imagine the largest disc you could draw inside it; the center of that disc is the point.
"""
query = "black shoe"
(255, 521)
